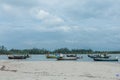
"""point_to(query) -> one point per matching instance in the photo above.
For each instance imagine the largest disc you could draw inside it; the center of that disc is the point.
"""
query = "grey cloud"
(86, 24)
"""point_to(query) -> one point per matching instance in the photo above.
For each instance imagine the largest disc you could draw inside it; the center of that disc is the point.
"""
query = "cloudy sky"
(51, 24)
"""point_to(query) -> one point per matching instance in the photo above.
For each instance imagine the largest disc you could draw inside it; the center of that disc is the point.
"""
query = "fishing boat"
(67, 58)
(99, 56)
(71, 55)
(17, 57)
(105, 59)
(27, 56)
(74, 55)
(50, 56)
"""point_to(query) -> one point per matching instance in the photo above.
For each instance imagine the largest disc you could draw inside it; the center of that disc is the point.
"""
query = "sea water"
(43, 58)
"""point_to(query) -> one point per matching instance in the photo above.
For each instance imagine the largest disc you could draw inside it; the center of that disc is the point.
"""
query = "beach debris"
(3, 68)
(118, 76)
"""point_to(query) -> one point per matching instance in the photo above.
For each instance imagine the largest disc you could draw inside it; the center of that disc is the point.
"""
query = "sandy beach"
(59, 70)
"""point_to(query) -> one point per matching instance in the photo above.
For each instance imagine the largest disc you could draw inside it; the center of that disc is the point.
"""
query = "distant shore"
(58, 70)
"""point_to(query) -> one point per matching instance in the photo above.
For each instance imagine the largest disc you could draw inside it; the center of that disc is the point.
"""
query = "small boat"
(105, 59)
(99, 56)
(50, 56)
(71, 55)
(74, 55)
(67, 58)
(27, 56)
(17, 57)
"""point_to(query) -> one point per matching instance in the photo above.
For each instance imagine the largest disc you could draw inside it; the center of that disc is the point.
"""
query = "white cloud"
(45, 16)
(13, 12)
(41, 14)
(6, 7)
(72, 41)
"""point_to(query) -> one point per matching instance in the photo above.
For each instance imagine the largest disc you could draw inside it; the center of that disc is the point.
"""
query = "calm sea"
(43, 58)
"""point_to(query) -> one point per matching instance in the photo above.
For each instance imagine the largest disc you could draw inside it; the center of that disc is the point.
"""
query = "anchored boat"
(50, 56)
(71, 55)
(17, 57)
(67, 58)
(99, 56)
(105, 59)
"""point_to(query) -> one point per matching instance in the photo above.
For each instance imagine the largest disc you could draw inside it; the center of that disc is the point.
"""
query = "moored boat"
(105, 59)
(71, 55)
(50, 55)
(17, 57)
(99, 56)
(74, 55)
(67, 58)
(27, 56)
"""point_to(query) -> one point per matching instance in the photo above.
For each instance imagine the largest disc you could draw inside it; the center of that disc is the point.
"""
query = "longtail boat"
(71, 55)
(105, 59)
(67, 58)
(50, 56)
(99, 56)
(16, 57)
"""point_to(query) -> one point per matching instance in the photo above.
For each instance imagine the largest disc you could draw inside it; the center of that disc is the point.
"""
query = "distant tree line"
(5, 51)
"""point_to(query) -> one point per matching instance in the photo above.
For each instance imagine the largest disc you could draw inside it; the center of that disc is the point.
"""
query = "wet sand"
(59, 70)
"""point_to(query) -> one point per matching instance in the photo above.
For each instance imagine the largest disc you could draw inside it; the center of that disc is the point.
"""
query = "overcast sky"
(51, 24)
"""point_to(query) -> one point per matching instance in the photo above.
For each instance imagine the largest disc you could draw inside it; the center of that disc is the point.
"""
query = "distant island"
(5, 51)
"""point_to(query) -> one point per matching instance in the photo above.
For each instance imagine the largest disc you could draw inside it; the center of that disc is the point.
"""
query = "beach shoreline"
(58, 70)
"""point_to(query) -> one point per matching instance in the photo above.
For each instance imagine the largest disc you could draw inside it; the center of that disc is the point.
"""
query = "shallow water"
(43, 58)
